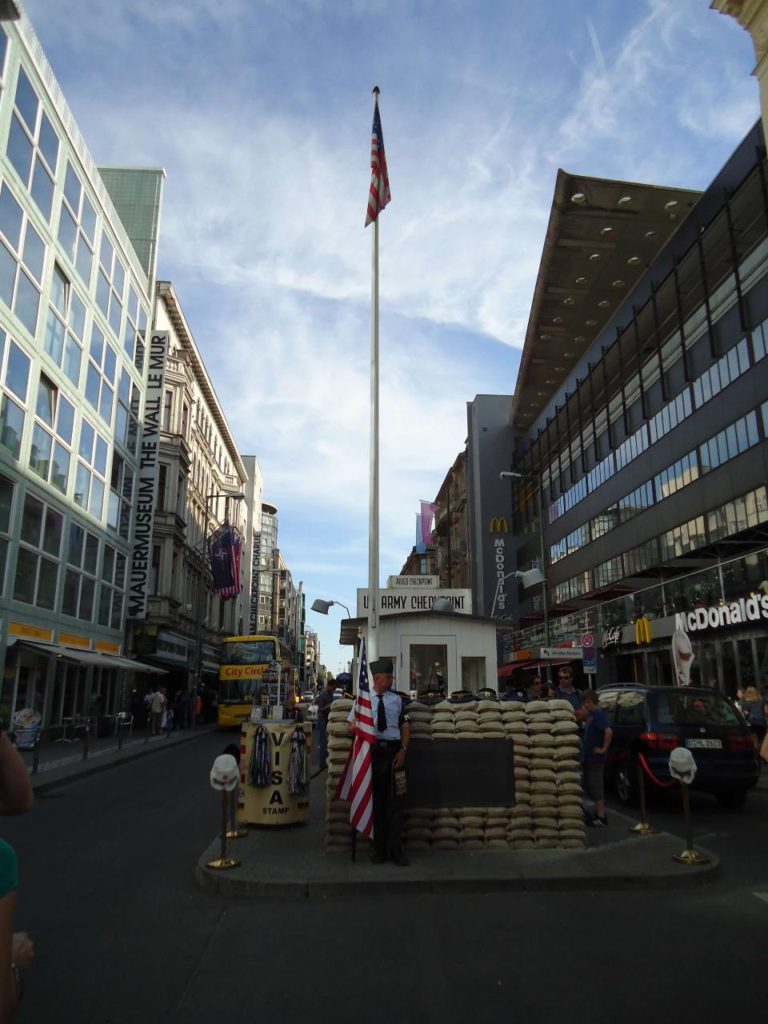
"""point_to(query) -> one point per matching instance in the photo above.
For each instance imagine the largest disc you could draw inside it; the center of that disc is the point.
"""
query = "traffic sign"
(587, 640)
(568, 653)
(589, 660)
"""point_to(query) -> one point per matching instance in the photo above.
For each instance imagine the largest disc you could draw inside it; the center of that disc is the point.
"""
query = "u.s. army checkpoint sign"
(406, 599)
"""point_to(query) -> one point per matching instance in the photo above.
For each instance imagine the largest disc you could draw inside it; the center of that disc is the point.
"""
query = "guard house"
(435, 642)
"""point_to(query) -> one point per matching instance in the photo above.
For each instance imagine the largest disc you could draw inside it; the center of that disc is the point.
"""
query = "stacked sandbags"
(565, 734)
(548, 811)
(443, 725)
(338, 831)
(420, 720)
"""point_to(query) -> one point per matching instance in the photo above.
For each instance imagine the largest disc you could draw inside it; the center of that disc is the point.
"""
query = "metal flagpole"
(373, 511)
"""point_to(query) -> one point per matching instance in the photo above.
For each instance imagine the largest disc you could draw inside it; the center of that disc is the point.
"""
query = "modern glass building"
(75, 299)
(639, 427)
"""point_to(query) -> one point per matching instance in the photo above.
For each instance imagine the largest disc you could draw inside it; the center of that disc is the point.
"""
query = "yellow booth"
(274, 772)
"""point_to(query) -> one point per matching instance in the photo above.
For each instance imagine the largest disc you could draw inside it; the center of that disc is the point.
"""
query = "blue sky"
(260, 111)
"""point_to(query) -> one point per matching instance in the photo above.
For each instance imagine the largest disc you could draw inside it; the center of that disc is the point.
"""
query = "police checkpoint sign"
(408, 600)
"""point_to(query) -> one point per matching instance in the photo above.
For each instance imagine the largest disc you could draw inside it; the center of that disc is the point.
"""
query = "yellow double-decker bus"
(252, 666)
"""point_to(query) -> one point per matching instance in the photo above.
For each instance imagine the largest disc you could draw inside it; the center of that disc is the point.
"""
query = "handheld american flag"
(356, 782)
(379, 194)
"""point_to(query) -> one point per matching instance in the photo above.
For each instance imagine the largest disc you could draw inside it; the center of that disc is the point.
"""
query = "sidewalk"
(60, 763)
(292, 863)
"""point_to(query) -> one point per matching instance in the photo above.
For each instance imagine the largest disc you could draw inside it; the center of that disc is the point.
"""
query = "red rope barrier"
(652, 777)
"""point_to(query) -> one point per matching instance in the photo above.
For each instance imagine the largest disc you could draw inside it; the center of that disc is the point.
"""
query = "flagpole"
(373, 496)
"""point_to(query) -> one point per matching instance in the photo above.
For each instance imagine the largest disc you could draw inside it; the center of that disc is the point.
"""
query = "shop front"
(65, 679)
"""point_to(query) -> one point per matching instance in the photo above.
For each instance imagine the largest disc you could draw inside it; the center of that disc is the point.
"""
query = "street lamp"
(319, 605)
(202, 597)
(530, 578)
(531, 477)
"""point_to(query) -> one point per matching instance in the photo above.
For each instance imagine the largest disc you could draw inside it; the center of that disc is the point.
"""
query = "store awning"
(79, 657)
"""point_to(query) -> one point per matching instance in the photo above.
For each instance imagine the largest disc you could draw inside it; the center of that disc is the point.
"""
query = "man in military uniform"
(392, 734)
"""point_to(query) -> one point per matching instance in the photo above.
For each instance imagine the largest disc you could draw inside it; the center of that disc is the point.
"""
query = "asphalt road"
(124, 936)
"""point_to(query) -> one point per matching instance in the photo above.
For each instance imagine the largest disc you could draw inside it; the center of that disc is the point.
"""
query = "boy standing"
(594, 747)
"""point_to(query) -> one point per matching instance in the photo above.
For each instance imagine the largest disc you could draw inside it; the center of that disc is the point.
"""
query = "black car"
(650, 721)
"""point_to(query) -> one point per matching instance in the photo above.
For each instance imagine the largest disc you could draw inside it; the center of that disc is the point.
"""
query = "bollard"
(119, 735)
(36, 754)
(643, 827)
(234, 831)
(690, 854)
(682, 766)
(225, 776)
(86, 740)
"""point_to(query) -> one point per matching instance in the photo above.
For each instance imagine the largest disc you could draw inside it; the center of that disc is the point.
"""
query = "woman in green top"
(15, 950)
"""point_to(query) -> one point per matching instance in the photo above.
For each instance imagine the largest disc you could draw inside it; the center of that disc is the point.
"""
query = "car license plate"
(698, 743)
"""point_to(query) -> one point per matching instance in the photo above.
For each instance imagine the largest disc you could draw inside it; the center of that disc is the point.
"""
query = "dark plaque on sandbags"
(460, 773)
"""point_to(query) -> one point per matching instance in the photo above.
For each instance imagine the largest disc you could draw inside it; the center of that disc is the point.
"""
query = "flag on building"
(427, 515)
(225, 548)
(356, 782)
(379, 194)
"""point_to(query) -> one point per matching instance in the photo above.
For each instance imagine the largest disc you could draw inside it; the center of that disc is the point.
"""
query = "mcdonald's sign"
(498, 524)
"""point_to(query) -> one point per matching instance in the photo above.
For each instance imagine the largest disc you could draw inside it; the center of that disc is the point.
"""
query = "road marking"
(761, 896)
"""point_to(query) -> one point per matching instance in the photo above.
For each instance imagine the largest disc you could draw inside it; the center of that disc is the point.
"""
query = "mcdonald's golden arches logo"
(498, 524)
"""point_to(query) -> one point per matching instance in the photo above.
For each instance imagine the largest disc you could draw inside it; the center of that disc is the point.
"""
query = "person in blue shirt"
(594, 748)
(565, 690)
(392, 734)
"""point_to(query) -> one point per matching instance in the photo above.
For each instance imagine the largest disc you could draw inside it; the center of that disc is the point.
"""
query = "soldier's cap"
(381, 667)
(225, 773)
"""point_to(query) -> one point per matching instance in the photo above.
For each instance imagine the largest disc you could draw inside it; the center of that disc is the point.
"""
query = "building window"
(729, 443)
(101, 374)
(111, 593)
(80, 578)
(22, 257)
(65, 326)
(51, 453)
(15, 377)
(724, 371)
(91, 470)
(77, 226)
(33, 145)
(120, 496)
(37, 564)
(110, 285)
(6, 504)
(134, 329)
(127, 419)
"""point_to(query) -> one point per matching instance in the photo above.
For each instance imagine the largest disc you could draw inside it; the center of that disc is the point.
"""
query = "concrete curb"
(599, 868)
(45, 781)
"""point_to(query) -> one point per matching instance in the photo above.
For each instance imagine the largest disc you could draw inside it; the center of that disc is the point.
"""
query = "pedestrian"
(185, 709)
(755, 708)
(16, 949)
(157, 703)
(565, 690)
(535, 690)
(324, 702)
(167, 720)
(392, 734)
(594, 747)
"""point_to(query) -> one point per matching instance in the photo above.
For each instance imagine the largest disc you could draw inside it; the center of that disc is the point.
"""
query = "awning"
(80, 657)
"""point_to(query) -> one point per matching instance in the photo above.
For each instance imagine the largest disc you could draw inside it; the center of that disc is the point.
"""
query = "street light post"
(202, 596)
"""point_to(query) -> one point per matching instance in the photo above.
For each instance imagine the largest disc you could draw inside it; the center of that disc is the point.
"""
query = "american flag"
(379, 194)
(225, 548)
(356, 781)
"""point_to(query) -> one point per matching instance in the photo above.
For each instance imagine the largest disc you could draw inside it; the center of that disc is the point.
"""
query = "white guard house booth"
(433, 651)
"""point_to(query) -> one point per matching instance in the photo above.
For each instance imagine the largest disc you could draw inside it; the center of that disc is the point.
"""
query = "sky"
(260, 113)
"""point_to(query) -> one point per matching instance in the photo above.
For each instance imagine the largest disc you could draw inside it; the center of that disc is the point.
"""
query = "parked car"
(652, 721)
(308, 706)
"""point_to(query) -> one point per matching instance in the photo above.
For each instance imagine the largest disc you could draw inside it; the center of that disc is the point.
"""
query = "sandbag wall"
(548, 810)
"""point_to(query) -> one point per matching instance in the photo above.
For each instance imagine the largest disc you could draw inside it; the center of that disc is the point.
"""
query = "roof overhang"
(601, 237)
